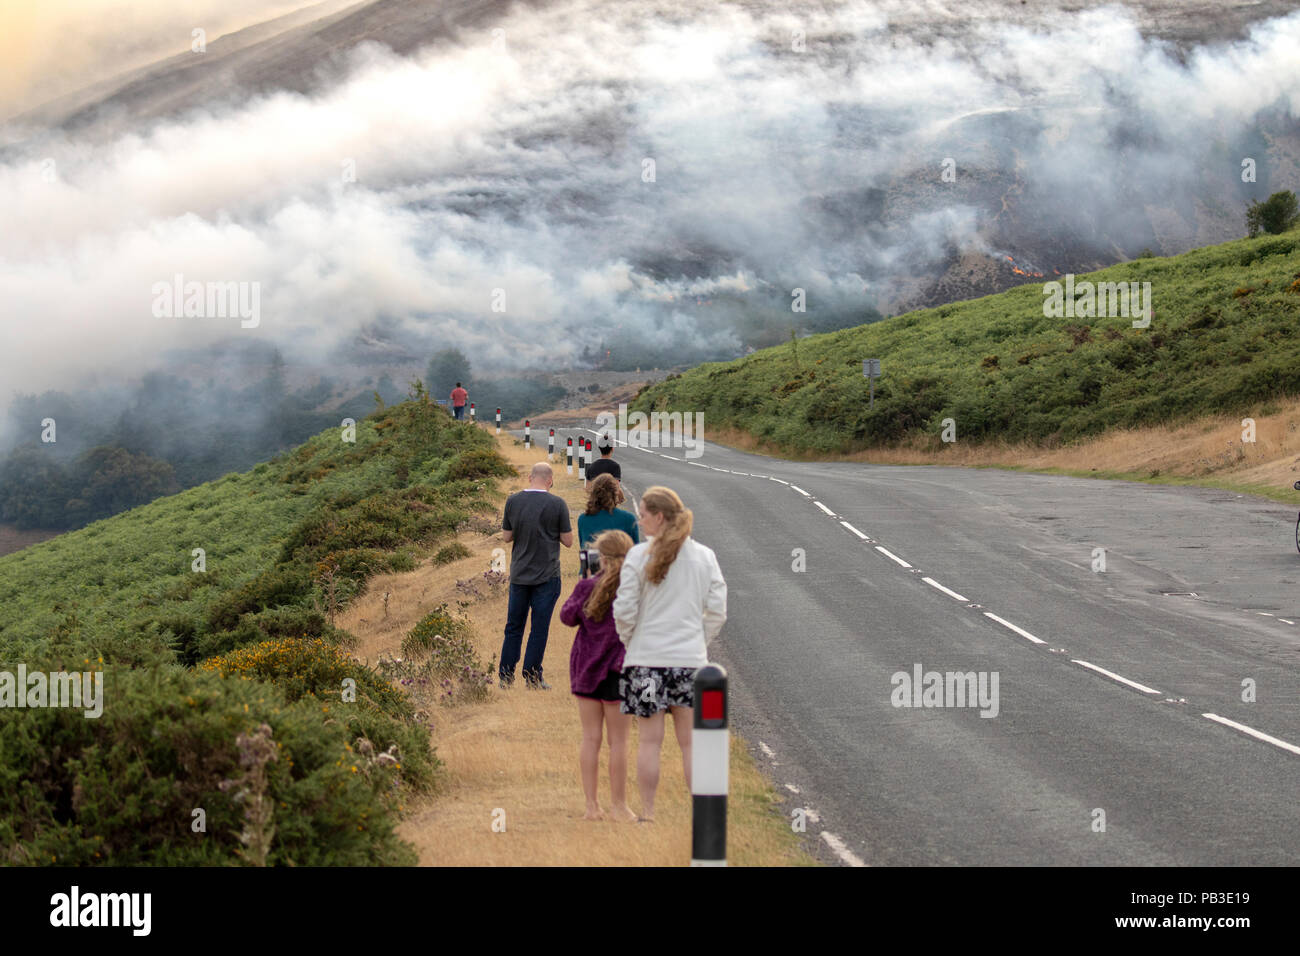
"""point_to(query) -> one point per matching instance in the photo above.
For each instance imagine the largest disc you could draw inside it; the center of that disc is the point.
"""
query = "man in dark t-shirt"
(604, 465)
(536, 522)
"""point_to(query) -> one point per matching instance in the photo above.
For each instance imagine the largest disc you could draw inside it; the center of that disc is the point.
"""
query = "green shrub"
(123, 789)
(445, 640)
(452, 552)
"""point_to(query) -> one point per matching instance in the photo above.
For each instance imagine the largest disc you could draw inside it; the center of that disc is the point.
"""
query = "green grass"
(286, 545)
(1224, 337)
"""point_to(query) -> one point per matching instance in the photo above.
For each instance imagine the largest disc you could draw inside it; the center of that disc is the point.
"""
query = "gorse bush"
(124, 789)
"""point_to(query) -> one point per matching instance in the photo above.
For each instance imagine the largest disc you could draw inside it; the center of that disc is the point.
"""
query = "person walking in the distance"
(537, 523)
(672, 601)
(605, 464)
(594, 670)
(458, 399)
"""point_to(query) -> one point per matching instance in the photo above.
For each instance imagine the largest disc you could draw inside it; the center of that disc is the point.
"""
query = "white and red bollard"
(498, 421)
(582, 461)
(550, 445)
(710, 761)
(471, 412)
(528, 434)
(568, 465)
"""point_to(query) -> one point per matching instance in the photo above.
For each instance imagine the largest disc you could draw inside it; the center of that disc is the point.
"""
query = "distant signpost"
(871, 369)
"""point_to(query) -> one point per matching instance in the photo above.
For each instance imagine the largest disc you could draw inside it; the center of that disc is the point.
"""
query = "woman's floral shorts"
(648, 690)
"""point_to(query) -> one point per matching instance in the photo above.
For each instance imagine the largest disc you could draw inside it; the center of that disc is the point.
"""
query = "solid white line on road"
(778, 479)
(842, 851)
(1113, 676)
(892, 556)
(952, 594)
(801, 491)
(854, 530)
(697, 464)
(1008, 624)
(1254, 733)
(635, 510)
(824, 508)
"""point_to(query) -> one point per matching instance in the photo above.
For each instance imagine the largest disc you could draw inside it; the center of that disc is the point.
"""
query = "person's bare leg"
(683, 720)
(650, 733)
(589, 753)
(619, 726)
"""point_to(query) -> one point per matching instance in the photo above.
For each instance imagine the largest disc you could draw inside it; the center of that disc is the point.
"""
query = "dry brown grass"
(518, 751)
(1207, 448)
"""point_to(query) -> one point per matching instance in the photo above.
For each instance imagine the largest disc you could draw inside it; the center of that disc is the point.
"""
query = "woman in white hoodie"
(671, 603)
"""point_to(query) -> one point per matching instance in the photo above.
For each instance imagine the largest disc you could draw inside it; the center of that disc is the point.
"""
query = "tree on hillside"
(446, 368)
(1276, 214)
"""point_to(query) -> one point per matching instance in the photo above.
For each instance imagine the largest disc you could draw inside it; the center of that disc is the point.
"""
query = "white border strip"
(952, 594)
(801, 491)
(892, 557)
(1009, 625)
(1113, 676)
(1252, 732)
(824, 508)
(854, 530)
(842, 851)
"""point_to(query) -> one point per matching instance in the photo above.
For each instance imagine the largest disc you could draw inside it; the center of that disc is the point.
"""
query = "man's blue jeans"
(540, 599)
(458, 411)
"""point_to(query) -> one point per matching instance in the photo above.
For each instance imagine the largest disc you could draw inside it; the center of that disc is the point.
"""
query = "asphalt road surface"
(1122, 733)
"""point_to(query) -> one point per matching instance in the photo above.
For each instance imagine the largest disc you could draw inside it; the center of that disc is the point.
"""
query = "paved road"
(1105, 678)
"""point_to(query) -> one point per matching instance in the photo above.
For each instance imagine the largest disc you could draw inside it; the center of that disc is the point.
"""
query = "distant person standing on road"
(672, 601)
(603, 512)
(595, 666)
(458, 399)
(604, 465)
(537, 522)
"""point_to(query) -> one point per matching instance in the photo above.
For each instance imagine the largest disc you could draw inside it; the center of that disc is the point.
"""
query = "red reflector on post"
(711, 705)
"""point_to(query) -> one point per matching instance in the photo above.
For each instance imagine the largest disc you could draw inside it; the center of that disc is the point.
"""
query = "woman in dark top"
(594, 669)
(603, 512)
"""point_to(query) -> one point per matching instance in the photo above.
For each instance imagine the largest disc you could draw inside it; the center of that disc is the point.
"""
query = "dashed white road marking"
(842, 851)
(1253, 732)
(770, 478)
(824, 508)
(855, 530)
(1285, 621)
(952, 594)
(697, 464)
(1113, 676)
(1263, 614)
(792, 788)
(801, 491)
(892, 556)
(1008, 624)
(767, 751)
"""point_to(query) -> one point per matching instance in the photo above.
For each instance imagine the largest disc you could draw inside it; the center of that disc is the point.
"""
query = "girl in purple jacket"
(594, 669)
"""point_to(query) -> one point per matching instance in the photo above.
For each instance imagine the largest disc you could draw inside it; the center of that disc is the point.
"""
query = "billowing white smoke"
(517, 162)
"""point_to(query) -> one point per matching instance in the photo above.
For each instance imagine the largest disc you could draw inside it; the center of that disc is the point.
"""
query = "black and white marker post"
(586, 451)
(710, 757)
(550, 445)
(568, 463)
(471, 413)
(498, 421)
(582, 462)
(528, 434)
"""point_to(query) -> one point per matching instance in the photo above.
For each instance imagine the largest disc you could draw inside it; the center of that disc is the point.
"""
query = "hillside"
(131, 602)
(1224, 338)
